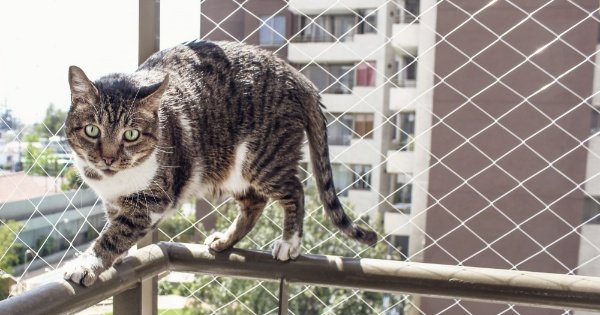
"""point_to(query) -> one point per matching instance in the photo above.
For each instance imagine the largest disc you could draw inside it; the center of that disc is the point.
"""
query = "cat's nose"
(108, 160)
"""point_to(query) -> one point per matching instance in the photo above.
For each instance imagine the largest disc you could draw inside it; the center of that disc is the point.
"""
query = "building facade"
(465, 125)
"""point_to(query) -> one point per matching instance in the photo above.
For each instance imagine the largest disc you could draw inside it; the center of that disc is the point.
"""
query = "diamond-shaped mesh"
(463, 132)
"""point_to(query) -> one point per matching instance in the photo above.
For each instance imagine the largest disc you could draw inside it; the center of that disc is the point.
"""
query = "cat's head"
(113, 123)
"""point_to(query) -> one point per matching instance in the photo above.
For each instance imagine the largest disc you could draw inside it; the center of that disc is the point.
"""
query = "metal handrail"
(485, 284)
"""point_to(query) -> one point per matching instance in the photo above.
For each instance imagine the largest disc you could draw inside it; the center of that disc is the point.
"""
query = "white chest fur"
(123, 182)
(235, 183)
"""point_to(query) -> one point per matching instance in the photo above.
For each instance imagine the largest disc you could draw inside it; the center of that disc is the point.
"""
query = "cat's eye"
(92, 131)
(131, 135)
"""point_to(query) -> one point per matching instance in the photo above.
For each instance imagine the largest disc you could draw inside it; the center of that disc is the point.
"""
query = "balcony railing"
(485, 284)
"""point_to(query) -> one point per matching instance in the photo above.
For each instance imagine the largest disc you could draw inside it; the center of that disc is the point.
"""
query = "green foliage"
(9, 249)
(41, 162)
(8, 121)
(52, 123)
(31, 137)
(45, 246)
(72, 180)
(177, 229)
(235, 296)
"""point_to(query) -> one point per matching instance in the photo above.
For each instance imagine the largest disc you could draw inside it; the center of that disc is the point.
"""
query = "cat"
(198, 118)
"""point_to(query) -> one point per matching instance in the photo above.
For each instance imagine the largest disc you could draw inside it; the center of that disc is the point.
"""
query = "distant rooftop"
(20, 186)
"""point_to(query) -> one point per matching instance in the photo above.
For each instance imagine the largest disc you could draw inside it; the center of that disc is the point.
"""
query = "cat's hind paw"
(217, 241)
(287, 249)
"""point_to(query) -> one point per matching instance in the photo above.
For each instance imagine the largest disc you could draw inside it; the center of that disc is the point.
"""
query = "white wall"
(592, 186)
(589, 255)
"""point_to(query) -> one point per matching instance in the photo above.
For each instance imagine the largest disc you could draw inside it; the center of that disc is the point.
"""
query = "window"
(591, 211)
(339, 131)
(401, 192)
(595, 126)
(341, 79)
(273, 30)
(326, 28)
(342, 178)
(367, 22)
(411, 11)
(331, 78)
(405, 130)
(398, 243)
(363, 125)
(365, 74)
(361, 176)
(336, 27)
(409, 71)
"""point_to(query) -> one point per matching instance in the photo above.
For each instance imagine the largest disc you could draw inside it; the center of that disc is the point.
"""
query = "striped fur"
(223, 118)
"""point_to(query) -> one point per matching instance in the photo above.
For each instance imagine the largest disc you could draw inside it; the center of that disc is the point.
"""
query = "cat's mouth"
(109, 171)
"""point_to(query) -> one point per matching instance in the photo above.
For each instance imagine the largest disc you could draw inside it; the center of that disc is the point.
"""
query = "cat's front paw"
(83, 270)
(217, 241)
(286, 249)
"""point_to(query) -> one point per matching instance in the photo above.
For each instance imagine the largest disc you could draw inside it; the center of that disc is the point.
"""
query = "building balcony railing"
(321, 38)
(486, 284)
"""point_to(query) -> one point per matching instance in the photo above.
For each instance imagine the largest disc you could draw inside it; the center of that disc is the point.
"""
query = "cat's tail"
(316, 131)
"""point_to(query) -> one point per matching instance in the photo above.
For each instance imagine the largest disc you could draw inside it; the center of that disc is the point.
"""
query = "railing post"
(143, 298)
(284, 296)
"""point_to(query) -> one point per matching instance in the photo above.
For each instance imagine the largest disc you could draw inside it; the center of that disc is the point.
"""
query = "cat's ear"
(155, 94)
(82, 89)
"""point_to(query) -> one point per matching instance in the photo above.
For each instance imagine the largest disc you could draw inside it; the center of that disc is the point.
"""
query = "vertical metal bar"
(143, 299)
(284, 296)
(128, 302)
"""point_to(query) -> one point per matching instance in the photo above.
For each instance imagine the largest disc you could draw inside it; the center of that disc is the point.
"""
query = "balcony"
(318, 6)
(128, 279)
(405, 38)
(403, 98)
(400, 161)
(351, 49)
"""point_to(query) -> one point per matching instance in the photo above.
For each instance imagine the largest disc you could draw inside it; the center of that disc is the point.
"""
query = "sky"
(40, 39)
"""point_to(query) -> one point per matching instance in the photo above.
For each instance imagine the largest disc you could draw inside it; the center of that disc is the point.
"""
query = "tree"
(234, 296)
(8, 121)
(9, 249)
(41, 162)
(53, 122)
(72, 180)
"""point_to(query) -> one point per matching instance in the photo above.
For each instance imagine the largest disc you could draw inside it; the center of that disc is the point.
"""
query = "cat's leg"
(133, 221)
(291, 198)
(250, 207)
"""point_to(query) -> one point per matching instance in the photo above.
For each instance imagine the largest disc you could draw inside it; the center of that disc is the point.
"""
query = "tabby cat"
(199, 118)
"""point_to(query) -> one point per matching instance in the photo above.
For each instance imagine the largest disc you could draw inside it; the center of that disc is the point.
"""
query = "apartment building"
(471, 137)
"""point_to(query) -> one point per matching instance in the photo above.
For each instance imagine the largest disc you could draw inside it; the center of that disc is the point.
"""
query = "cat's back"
(219, 66)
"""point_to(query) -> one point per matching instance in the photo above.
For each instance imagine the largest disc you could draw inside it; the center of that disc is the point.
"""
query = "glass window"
(272, 32)
(339, 131)
(342, 178)
(342, 79)
(401, 196)
(595, 127)
(367, 22)
(318, 75)
(363, 125)
(406, 71)
(330, 78)
(411, 11)
(342, 27)
(591, 211)
(361, 176)
(365, 74)
(405, 130)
